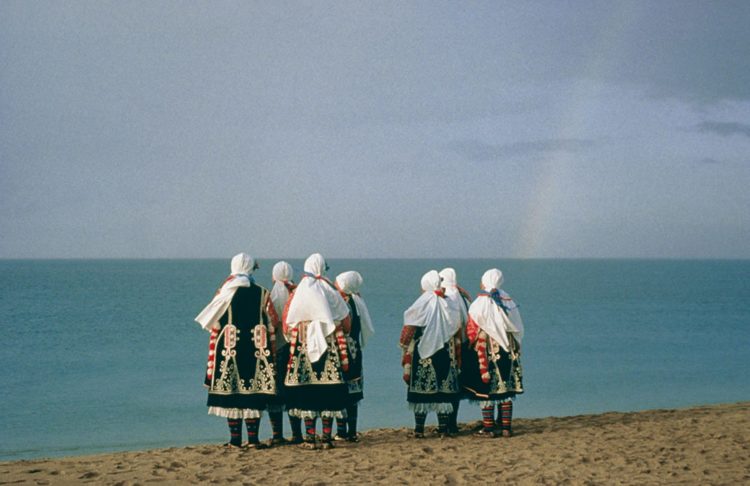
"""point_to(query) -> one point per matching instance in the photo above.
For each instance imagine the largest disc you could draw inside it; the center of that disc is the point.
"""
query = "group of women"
(299, 348)
(453, 348)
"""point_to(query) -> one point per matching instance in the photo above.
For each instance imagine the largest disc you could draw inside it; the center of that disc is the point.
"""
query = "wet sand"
(702, 445)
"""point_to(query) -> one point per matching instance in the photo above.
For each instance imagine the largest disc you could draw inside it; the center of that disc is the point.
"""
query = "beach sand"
(702, 445)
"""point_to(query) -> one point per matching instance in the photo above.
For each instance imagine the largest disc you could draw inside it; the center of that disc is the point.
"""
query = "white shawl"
(349, 283)
(448, 276)
(282, 273)
(315, 300)
(242, 267)
(437, 315)
(490, 317)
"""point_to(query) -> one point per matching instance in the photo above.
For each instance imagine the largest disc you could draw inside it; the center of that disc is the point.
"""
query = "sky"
(561, 129)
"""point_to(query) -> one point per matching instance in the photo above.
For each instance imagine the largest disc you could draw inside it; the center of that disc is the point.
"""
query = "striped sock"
(419, 420)
(277, 424)
(235, 431)
(296, 425)
(252, 425)
(351, 419)
(443, 419)
(310, 425)
(488, 418)
(327, 427)
(506, 414)
(341, 427)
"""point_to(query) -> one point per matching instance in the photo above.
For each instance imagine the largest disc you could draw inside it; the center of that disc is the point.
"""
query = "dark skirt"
(278, 401)
(506, 380)
(315, 387)
(353, 376)
(244, 375)
(433, 380)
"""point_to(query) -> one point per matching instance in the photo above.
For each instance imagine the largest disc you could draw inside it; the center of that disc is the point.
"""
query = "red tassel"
(292, 348)
(343, 353)
(482, 355)
(211, 353)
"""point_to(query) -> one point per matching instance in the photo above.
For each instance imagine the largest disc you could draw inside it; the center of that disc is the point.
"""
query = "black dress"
(433, 382)
(318, 388)
(243, 372)
(354, 376)
(503, 367)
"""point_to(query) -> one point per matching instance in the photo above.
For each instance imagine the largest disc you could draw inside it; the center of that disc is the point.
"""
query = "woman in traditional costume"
(431, 343)
(240, 375)
(316, 321)
(283, 286)
(361, 330)
(492, 368)
(462, 300)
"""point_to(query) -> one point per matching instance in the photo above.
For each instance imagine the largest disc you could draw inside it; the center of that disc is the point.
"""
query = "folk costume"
(461, 299)
(430, 343)
(348, 284)
(316, 320)
(240, 374)
(492, 370)
(283, 286)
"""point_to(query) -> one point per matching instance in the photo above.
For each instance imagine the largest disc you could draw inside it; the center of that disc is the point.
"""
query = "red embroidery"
(260, 336)
(230, 337)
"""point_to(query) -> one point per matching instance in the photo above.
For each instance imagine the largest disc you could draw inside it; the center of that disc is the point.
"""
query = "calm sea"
(103, 355)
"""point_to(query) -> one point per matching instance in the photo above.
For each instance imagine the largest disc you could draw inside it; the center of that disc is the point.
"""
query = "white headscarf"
(349, 283)
(451, 292)
(242, 267)
(490, 317)
(316, 301)
(437, 315)
(282, 273)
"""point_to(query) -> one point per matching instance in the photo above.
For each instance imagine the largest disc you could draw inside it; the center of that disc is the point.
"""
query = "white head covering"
(242, 267)
(438, 316)
(349, 283)
(451, 292)
(282, 273)
(317, 301)
(489, 316)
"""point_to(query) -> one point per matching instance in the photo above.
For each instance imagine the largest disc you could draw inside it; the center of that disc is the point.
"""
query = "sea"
(104, 355)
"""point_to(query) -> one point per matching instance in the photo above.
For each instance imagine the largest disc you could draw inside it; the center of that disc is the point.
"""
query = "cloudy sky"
(375, 129)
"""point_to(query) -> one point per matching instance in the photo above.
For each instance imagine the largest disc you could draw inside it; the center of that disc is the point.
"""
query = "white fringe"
(235, 413)
(490, 403)
(424, 408)
(304, 414)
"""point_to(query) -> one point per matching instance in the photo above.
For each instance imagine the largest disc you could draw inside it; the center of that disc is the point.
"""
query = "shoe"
(229, 445)
(255, 445)
(295, 440)
(418, 435)
(326, 444)
(353, 438)
(279, 441)
(339, 438)
(309, 445)
(485, 434)
(507, 433)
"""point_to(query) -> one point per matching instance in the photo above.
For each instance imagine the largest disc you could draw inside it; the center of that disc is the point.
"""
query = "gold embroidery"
(425, 380)
(302, 372)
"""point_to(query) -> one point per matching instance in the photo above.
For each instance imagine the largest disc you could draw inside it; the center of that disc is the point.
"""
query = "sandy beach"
(702, 445)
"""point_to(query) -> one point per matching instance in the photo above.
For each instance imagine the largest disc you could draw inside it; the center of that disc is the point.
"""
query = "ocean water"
(103, 355)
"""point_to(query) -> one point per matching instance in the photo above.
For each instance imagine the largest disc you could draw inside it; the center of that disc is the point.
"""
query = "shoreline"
(704, 444)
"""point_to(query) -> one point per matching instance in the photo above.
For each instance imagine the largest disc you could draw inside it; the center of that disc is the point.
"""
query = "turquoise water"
(103, 355)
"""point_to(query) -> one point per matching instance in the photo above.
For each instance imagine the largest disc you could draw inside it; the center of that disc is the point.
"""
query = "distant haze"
(375, 129)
